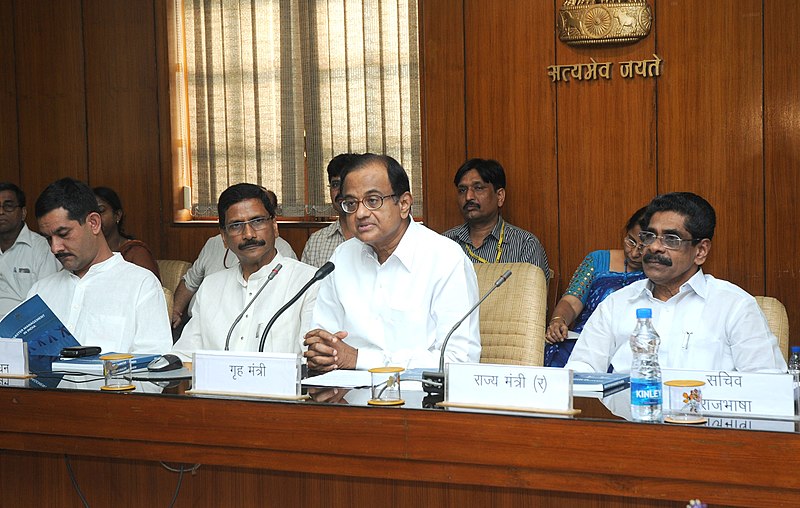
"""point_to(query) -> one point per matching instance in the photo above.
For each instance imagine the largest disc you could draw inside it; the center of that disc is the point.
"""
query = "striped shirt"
(321, 244)
(519, 246)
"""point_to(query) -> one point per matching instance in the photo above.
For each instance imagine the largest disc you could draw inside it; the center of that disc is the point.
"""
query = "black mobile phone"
(79, 351)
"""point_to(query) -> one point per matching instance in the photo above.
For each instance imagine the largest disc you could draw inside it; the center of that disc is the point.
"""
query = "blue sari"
(591, 284)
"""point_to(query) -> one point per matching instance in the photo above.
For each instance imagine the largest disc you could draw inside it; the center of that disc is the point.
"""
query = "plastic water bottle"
(794, 364)
(645, 370)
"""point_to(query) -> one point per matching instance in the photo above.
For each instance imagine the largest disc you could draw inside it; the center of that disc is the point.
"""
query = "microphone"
(323, 272)
(271, 276)
(433, 381)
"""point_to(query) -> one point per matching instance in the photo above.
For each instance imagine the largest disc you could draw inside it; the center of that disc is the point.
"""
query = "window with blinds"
(268, 91)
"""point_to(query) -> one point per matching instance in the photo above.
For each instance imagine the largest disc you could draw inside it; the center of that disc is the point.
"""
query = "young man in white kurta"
(116, 305)
(101, 298)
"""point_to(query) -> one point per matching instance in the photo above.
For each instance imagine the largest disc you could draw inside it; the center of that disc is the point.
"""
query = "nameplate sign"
(509, 386)
(13, 358)
(234, 373)
(739, 393)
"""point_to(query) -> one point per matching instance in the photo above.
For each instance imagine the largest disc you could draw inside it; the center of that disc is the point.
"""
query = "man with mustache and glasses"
(102, 299)
(213, 257)
(486, 237)
(398, 286)
(704, 323)
(248, 227)
(24, 255)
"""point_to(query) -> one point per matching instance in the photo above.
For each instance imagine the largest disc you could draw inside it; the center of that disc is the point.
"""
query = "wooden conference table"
(267, 453)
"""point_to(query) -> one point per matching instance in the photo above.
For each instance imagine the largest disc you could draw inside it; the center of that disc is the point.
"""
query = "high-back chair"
(172, 270)
(777, 319)
(512, 319)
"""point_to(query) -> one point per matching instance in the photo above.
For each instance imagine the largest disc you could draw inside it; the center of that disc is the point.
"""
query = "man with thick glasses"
(485, 236)
(25, 256)
(230, 311)
(213, 257)
(704, 323)
(320, 245)
(398, 287)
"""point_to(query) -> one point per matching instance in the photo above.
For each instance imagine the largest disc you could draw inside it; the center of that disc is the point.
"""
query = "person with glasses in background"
(229, 311)
(321, 244)
(398, 287)
(25, 256)
(601, 273)
(704, 323)
(213, 257)
(485, 236)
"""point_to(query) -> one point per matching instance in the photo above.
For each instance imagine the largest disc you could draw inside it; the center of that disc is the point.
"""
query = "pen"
(686, 340)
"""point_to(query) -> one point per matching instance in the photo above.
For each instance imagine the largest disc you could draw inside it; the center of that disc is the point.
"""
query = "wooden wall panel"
(443, 107)
(710, 125)
(85, 99)
(606, 151)
(782, 157)
(122, 110)
(510, 109)
(9, 154)
(48, 40)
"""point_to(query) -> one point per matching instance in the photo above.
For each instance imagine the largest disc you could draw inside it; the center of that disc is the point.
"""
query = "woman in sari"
(601, 273)
(133, 251)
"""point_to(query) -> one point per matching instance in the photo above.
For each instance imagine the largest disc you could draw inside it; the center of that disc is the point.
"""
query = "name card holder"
(744, 394)
(509, 388)
(229, 373)
(14, 359)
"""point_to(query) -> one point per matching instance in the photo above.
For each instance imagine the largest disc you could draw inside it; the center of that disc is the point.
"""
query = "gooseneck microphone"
(271, 276)
(433, 381)
(323, 272)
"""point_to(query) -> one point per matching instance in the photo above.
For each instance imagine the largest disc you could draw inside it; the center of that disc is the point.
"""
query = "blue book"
(597, 381)
(35, 323)
(94, 365)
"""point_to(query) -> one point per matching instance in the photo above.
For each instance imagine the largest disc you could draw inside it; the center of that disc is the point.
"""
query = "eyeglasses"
(237, 228)
(477, 188)
(669, 241)
(350, 205)
(9, 207)
(633, 244)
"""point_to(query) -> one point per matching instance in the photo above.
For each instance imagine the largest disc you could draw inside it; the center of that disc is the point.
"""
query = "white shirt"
(116, 305)
(710, 324)
(26, 261)
(223, 296)
(398, 313)
(214, 257)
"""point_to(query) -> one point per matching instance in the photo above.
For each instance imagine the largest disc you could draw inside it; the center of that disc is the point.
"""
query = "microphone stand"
(271, 276)
(323, 272)
(433, 381)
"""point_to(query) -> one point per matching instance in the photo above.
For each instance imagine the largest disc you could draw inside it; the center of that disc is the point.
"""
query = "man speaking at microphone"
(219, 319)
(398, 287)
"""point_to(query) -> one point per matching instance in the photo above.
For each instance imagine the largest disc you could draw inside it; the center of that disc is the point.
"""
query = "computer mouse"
(165, 363)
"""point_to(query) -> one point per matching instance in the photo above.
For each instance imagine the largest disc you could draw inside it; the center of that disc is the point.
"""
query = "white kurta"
(710, 324)
(116, 305)
(26, 261)
(223, 296)
(399, 312)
